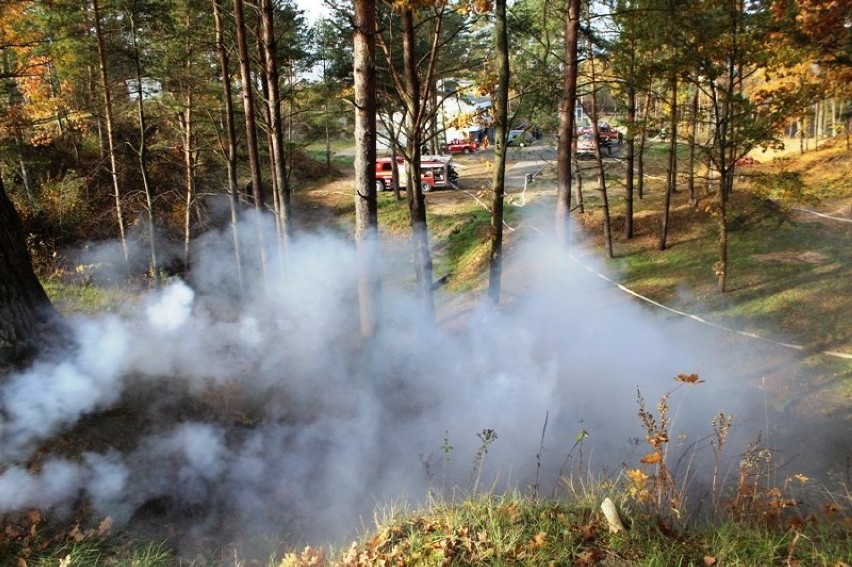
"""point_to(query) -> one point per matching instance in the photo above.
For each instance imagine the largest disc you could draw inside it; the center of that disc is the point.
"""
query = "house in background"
(463, 114)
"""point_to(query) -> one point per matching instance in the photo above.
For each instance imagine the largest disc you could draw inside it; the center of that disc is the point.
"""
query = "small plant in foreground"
(487, 436)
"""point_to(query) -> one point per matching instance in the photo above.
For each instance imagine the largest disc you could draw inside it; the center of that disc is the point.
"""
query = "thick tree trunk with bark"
(366, 203)
(498, 181)
(566, 123)
(28, 322)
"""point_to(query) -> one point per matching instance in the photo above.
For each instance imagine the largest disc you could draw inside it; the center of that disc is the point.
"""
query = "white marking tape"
(675, 311)
(823, 215)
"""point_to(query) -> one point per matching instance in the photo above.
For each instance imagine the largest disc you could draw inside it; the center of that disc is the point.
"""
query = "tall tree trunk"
(275, 122)
(671, 183)
(142, 153)
(28, 322)
(231, 141)
(366, 202)
(629, 159)
(248, 106)
(24, 169)
(607, 228)
(643, 138)
(110, 137)
(416, 199)
(498, 180)
(187, 126)
(578, 173)
(258, 192)
(693, 127)
(189, 174)
(565, 146)
(264, 113)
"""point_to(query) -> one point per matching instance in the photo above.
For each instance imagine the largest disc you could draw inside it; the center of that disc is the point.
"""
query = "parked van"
(436, 172)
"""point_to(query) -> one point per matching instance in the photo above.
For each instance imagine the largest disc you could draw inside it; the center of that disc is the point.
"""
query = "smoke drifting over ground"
(273, 417)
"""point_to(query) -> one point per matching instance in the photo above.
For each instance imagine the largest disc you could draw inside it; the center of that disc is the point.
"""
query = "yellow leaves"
(539, 541)
(636, 476)
(831, 510)
(413, 4)
(801, 478)
(688, 378)
(659, 439)
(652, 458)
(309, 557)
(709, 561)
(105, 527)
(481, 6)
(511, 512)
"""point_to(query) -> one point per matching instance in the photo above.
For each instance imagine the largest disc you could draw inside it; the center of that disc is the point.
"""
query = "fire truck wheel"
(380, 185)
(425, 187)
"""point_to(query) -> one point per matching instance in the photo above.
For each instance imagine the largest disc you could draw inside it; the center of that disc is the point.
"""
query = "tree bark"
(248, 106)
(110, 137)
(29, 325)
(416, 199)
(275, 123)
(630, 161)
(607, 227)
(693, 127)
(672, 168)
(366, 198)
(142, 152)
(498, 180)
(567, 105)
(231, 139)
(640, 155)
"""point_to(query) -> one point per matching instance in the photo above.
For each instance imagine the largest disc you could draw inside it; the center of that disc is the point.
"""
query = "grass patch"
(88, 298)
(514, 530)
(466, 249)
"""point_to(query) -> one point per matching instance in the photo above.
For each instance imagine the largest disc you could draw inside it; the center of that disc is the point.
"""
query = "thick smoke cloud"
(272, 416)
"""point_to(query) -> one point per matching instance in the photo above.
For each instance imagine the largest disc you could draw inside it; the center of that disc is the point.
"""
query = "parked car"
(518, 137)
(459, 146)
(747, 160)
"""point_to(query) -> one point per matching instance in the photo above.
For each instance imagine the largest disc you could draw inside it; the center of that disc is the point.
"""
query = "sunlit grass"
(88, 297)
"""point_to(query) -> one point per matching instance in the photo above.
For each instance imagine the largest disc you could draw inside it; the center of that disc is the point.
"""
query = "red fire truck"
(436, 172)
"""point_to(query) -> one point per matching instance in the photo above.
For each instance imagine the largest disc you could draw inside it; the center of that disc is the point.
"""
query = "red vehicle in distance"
(458, 146)
(607, 135)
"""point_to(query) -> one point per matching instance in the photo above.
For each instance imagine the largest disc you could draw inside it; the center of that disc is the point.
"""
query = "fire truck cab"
(436, 172)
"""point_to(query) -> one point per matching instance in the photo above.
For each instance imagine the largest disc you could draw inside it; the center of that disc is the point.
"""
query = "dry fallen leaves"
(688, 378)
(652, 458)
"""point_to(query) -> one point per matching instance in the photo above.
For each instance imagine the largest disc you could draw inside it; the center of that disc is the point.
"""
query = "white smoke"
(272, 414)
